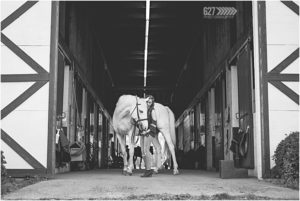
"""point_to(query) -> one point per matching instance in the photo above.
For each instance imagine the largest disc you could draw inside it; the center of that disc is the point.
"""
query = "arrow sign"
(226, 11)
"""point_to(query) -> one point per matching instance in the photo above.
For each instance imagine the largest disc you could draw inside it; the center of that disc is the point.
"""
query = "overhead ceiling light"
(146, 41)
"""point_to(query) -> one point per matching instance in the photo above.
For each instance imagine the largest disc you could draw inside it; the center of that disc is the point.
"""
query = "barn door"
(27, 66)
(245, 116)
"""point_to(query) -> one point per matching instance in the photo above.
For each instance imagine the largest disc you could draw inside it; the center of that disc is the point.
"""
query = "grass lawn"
(12, 184)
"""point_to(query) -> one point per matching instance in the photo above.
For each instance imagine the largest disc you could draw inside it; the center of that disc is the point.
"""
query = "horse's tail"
(172, 125)
(167, 151)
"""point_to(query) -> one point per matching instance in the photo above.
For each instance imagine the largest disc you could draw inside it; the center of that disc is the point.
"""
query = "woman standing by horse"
(160, 119)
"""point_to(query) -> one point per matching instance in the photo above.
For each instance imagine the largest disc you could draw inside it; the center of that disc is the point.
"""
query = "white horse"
(166, 125)
(130, 112)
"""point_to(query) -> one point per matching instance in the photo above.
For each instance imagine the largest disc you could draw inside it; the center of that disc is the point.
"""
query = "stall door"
(246, 150)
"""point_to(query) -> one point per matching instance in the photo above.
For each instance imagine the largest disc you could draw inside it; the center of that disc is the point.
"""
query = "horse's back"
(161, 110)
(166, 119)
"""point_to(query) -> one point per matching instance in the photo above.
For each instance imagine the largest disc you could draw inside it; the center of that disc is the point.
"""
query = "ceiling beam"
(140, 88)
(141, 74)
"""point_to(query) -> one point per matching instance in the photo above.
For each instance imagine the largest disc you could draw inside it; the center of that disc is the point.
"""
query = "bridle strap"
(132, 111)
(137, 112)
(135, 122)
(137, 108)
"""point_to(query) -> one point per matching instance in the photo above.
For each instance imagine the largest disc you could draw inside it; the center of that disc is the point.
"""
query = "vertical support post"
(234, 97)
(67, 100)
(211, 124)
(96, 136)
(264, 103)
(235, 105)
(53, 89)
(232, 105)
(227, 117)
(261, 115)
(72, 108)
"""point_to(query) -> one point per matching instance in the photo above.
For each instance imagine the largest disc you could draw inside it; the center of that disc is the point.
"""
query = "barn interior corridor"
(189, 58)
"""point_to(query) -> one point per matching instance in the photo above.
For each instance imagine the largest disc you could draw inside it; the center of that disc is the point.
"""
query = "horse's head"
(139, 113)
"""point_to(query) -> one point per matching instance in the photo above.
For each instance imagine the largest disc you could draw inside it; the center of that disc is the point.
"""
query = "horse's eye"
(141, 111)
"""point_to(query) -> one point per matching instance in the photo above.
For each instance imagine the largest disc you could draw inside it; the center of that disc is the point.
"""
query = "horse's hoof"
(129, 173)
(124, 173)
(155, 171)
(175, 172)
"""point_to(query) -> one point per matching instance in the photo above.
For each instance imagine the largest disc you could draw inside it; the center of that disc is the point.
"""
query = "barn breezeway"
(65, 64)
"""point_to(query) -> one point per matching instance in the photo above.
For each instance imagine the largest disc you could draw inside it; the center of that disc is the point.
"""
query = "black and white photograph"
(149, 100)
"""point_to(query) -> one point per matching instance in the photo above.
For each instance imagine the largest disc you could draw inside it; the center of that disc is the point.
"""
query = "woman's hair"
(150, 97)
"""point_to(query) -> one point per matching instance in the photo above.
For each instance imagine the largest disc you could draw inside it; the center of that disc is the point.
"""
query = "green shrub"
(3, 168)
(287, 160)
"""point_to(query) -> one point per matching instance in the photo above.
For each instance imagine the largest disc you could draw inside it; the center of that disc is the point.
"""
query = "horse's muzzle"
(142, 127)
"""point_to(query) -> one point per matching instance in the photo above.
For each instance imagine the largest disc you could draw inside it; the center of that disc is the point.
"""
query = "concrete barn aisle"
(110, 184)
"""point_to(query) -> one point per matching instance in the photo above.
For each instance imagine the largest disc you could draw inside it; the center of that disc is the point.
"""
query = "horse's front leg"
(124, 153)
(131, 153)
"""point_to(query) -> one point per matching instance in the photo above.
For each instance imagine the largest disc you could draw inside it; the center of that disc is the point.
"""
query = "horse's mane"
(123, 105)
